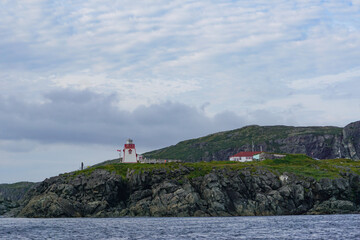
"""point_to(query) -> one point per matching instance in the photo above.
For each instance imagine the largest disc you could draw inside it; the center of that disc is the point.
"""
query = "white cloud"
(312, 109)
(133, 93)
(178, 49)
(269, 62)
(325, 80)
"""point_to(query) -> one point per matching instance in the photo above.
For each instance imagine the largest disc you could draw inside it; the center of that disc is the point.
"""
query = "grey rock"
(334, 206)
(222, 192)
(351, 140)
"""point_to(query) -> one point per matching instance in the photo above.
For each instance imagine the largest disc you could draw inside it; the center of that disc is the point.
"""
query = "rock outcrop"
(160, 193)
(11, 195)
(351, 140)
(15, 191)
(6, 205)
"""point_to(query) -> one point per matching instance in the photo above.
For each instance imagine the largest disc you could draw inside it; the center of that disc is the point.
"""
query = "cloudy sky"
(77, 78)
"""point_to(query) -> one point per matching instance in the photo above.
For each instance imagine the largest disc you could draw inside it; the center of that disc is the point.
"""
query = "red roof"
(246, 154)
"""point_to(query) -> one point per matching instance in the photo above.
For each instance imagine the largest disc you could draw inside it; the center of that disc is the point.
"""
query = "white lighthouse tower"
(129, 155)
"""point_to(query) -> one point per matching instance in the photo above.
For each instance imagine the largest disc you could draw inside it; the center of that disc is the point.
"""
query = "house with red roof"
(245, 156)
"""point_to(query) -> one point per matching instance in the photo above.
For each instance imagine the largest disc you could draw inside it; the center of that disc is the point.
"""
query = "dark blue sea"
(274, 227)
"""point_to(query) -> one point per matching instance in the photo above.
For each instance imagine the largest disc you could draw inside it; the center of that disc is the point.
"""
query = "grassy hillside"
(199, 149)
(298, 164)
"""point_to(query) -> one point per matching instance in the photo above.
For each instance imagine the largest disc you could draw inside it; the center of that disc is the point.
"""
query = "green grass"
(303, 165)
(122, 168)
(18, 185)
(297, 164)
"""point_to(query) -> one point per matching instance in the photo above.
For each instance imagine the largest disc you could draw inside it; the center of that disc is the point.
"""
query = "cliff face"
(222, 192)
(7, 205)
(15, 191)
(317, 142)
(351, 140)
(11, 194)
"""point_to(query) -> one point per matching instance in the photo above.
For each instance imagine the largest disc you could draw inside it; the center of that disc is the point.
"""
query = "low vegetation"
(298, 164)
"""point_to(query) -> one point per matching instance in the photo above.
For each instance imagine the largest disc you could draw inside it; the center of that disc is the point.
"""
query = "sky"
(78, 78)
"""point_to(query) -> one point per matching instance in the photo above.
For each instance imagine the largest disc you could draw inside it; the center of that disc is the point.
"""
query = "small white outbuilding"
(245, 156)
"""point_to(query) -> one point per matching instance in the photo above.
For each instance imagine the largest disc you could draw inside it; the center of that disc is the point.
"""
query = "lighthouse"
(129, 151)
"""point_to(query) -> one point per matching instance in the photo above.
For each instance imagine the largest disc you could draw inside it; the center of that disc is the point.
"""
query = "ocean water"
(273, 227)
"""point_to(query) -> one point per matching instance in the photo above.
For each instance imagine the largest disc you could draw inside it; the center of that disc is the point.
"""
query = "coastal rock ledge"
(161, 193)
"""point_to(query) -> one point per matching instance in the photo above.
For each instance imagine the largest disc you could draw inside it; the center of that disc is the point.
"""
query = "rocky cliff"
(12, 194)
(351, 140)
(184, 190)
(317, 142)
(7, 205)
(15, 191)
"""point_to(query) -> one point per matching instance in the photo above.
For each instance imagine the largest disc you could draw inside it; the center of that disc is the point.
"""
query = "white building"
(129, 152)
(245, 156)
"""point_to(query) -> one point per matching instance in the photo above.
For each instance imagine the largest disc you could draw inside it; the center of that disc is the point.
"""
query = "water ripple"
(274, 227)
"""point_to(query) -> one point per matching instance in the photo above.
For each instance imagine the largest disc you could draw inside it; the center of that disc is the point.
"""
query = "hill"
(317, 142)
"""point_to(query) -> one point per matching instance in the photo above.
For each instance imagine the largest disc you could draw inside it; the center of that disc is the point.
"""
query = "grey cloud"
(249, 46)
(204, 106)
(228, 120)
(266, 117)
(78, 117)
(17, 146)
